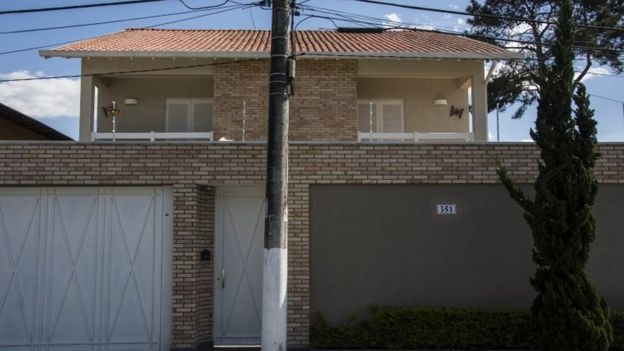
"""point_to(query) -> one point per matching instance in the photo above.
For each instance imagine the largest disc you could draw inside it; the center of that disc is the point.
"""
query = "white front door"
(85, 268)
(240, 213)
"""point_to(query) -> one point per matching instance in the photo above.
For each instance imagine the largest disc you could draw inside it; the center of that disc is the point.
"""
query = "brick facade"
(194, 169)
(322, 109)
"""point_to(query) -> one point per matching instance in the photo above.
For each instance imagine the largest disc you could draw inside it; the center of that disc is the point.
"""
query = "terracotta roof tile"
(232, 43)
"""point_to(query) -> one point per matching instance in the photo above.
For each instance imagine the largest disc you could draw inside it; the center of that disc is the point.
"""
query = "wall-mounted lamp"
(457, 111)
(114, 112)
(131, 102)
(440, 102)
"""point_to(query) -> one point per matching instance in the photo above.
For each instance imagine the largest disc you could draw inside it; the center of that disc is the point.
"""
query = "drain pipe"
(244, 118)
(491, 71)
(487, 80)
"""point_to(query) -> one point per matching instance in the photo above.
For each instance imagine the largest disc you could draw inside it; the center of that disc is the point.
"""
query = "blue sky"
(55, 102)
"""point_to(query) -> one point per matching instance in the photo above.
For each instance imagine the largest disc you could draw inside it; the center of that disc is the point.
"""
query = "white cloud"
(41, 98)
(393, 17)
(426, 27)
(461, 21)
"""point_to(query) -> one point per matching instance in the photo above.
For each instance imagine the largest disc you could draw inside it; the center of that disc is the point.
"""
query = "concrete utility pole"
(275, 275)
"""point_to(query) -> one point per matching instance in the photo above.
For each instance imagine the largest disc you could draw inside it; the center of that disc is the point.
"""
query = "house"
(408, 82)
(15, 125)
(150, 237)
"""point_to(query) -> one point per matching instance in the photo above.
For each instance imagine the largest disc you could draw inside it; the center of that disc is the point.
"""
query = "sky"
(56, 102)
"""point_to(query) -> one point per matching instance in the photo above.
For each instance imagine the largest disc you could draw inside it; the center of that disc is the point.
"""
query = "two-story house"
(147, 232)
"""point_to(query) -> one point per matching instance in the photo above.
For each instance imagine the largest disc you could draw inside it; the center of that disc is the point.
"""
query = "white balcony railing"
(151, 136)
(416, 136)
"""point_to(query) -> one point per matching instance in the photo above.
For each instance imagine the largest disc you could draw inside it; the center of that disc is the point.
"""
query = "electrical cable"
(482, 15)
(402, 25)
(606, 98)
(586, 48)
(75, 7)
(231, 8)
(350, 18)
(293, 48)
(170, 68)
(203, 7)
(78, 25)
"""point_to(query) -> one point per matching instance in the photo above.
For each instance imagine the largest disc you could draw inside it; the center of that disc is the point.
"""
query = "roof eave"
(265, 55)
(420, 55)
(155, 54)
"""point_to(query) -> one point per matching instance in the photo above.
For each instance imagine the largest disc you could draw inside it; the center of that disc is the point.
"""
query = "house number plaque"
(447, 209)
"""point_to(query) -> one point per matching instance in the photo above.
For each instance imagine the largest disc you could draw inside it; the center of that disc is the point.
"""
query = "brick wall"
(322, 109)
(184, 166)
(324, 106)
(203, 288)
(233, 85)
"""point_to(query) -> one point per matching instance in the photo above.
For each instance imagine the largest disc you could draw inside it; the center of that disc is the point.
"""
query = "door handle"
(223, 278)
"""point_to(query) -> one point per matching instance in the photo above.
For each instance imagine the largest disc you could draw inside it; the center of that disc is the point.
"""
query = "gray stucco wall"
(385, 244)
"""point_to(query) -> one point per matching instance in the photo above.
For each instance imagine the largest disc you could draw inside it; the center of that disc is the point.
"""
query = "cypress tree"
(567, 311)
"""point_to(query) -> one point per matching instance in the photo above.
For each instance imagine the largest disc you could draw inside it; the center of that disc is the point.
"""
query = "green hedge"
(437, 328)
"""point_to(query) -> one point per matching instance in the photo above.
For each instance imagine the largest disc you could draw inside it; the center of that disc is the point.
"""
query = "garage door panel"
(134, 214)
(12, 323)
(72, 265)
(19, 237)
(129, 324)
(71, 322)
(93, 272)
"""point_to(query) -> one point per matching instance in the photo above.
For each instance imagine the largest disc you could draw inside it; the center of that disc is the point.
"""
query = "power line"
(75, 7)
(349, 17)
(605, 74)
(170, 68)
(482, 15)
(39, 29)
(606, 98)
(231, 8)
(403, 27)
(387, 21)
(342, 55)
(203, 7)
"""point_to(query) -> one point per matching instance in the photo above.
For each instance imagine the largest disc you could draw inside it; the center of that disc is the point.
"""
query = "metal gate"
(85, 268)
(240, 213)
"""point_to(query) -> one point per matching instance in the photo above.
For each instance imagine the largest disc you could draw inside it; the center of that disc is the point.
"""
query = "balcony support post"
(479, 107)
(87, 90)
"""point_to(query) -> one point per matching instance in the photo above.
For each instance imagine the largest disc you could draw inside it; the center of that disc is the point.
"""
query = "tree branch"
(588, 65)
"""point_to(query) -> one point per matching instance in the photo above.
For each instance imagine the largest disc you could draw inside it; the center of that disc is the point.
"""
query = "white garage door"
(85, 268)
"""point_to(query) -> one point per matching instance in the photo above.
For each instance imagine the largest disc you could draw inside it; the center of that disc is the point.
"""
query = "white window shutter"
(202, 116)
(392, 117)
(178, 116)
(364, 117)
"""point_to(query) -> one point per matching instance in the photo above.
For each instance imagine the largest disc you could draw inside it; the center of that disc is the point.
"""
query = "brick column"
(192, 279)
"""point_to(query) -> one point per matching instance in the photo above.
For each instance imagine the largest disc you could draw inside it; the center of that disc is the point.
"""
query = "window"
(188, 115)
(386, 116)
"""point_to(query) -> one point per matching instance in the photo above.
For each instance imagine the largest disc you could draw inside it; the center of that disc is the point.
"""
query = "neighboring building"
(15, 125)
(154, 241)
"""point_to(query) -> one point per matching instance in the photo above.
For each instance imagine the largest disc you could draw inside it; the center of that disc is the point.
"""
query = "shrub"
(437, 328)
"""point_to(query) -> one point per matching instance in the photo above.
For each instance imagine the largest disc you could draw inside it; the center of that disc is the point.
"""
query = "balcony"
(415, 137)
(152, 136)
